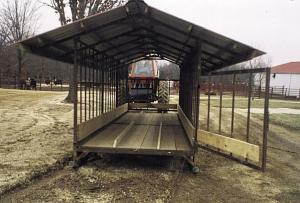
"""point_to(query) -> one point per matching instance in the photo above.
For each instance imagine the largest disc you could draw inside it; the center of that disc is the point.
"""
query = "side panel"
(87, 128)
(227, 144)
(187, 125)
(150, 105)
(229, 102)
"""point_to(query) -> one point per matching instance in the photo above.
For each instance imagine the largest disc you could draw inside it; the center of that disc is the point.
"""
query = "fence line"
(276, 92)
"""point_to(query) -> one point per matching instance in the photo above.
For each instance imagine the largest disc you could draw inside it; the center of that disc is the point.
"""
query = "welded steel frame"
(265, 131)
(99, 83)
(189, 90)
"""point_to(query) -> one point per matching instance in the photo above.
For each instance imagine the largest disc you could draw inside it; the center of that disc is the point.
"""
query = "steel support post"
(249, 105)
(97, 86)
(118, 85)
(75, 78)
(93, 84)
(220, 104)
(266, 120)
(85, 85)
(208, 103)
(102, 86)
(233, 104)
(198, 75)
(80, 83)
(90, 82)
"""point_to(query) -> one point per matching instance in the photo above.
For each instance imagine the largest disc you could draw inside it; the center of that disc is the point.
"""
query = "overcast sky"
(272, 26)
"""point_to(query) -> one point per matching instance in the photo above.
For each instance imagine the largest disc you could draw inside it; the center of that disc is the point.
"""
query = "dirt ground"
(36, 134)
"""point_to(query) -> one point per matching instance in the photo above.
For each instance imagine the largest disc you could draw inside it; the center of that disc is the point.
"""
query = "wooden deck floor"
(142, 133)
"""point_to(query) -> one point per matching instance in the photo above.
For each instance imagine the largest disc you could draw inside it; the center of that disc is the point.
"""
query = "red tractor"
(144, 84)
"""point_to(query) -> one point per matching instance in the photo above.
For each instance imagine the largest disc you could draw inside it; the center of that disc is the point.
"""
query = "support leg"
(78, 159)
(189, 160)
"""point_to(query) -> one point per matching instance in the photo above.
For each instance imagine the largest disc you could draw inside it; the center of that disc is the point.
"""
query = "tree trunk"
(0, 78)
(19, 68)
(71, 97)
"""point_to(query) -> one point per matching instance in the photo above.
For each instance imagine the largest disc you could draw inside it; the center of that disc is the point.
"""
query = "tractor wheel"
(163, 92)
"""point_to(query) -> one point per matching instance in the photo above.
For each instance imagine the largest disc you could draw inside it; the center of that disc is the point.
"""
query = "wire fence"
(35, 84)
(276, 92)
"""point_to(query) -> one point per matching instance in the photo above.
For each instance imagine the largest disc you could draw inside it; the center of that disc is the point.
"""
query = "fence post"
(249, 105)
(75, 84)
(208, 103)
(266, 121)
(285, 94)
(272, 90)
(233, 104)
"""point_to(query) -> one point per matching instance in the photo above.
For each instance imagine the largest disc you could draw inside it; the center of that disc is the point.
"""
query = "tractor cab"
(143, 82)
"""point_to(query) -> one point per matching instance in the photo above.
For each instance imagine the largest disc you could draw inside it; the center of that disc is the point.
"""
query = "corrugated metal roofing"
(136, 31)
(288, 68)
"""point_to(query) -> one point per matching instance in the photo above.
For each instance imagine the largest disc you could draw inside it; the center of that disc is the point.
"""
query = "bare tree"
(260, 62)
(3, 39)
(79, 9)
(19, 19)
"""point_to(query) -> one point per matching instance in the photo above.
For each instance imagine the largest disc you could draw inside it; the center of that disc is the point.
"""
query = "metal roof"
(288, 68)
(136, 31)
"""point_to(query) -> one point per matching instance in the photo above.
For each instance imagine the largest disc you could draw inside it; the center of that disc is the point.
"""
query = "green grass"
(242, 102)
(288, 121)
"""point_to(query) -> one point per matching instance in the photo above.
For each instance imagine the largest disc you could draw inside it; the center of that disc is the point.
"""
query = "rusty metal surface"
(106, 43)
(220, 81)
(266, 120)
(137, 30)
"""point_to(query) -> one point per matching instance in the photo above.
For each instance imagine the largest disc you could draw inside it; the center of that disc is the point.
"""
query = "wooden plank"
(149, 105)
(150, 141)
(159, 136)
(106, 137)
(87, 128)
(171, 119)
(187, 125)
(134, 138)
(140, 118)
(128, 117)
(181, 141)
(122, 134)
(167, 139)
(227, 144)
(156, 119)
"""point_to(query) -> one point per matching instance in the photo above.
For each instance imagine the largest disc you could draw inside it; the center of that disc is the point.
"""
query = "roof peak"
(287, 68)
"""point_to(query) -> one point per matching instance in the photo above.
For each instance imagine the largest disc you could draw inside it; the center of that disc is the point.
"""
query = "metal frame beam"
(84, 32)
(192, 36)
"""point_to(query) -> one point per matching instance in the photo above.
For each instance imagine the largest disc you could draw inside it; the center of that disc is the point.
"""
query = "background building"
(287, 78)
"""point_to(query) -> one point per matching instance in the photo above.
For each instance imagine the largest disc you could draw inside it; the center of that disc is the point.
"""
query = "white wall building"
(287, 76)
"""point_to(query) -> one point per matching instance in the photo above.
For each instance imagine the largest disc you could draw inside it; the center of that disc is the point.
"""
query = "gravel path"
(271, 110)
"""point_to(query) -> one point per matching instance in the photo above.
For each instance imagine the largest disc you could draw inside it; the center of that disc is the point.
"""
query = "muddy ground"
(29, 146)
